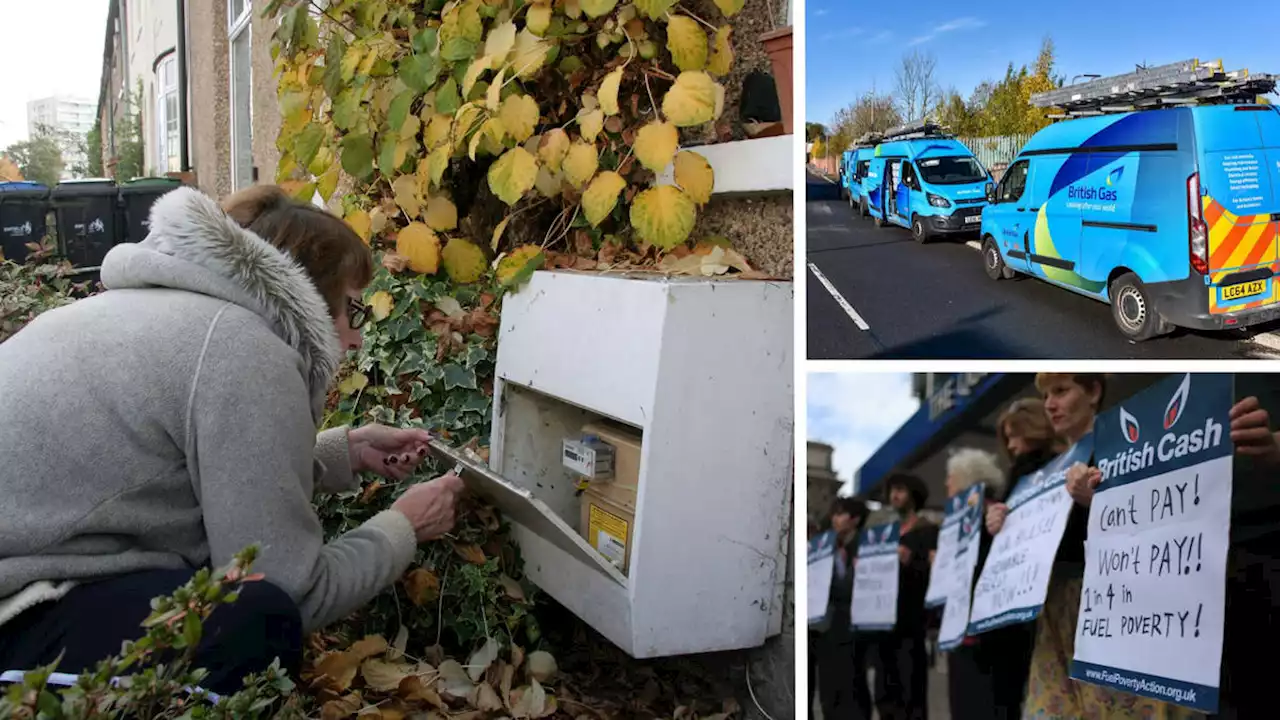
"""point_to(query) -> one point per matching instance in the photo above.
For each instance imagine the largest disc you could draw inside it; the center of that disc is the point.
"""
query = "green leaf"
(419, 72)
(346, 109)
(447, 100)
(387, 155)
(308, 143)
(456, 376)
(458, 49)
(191, 629)
(424, 42)
(357, 155)
(399, 110)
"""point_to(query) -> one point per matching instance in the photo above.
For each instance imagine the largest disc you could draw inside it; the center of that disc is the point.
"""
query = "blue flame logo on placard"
(1129, 426)
(1114, 177)
(1176, 403)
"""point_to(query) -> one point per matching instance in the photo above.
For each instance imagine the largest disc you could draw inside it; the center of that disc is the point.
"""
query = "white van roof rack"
(914, 129)
(1188, 82)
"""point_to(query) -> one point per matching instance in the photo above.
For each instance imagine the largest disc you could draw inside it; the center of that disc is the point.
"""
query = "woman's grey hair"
(969, 466)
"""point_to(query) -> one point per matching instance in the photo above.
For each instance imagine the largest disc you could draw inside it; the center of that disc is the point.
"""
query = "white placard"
(1152, 606)
(820, 567)
(955, 616)
(1015, 577)
(875, 580)
(940, 574)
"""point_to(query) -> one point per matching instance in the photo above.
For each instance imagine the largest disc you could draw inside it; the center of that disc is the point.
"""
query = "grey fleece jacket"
(171, 421)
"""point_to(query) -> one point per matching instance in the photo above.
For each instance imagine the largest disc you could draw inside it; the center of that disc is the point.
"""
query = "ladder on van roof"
(1188, 82)
(908, 131)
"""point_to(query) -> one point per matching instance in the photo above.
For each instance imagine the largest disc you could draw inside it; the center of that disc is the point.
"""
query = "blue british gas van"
(932, 185)
(857, 169)
(1171, 215)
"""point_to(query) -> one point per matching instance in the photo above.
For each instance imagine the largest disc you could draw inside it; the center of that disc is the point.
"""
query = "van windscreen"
(956, 170)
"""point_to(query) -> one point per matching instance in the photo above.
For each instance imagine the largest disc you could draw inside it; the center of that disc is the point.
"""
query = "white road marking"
(853, 314)
(973, 244)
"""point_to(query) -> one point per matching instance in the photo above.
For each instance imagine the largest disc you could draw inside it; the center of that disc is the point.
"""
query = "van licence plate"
(1243, 290)
(973, 218)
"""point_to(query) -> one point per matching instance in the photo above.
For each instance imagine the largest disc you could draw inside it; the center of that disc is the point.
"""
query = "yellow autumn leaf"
(381, 303)
(499, 41)
(580, 163)
(719, 102)
(597, 8)
(695, 176)
(730, 7)
(441, 214)
(353, 383)
(437, 131)
(572, 9)
(350, 61)
(654, 9)
(512, 175)
(590, 123)
(474, 71)
(464, 262)
(497, 232)
(359, 221)
(516, 266)
(687, 43)
(663, 216)
(493, 96)
(601, 196)
(721, 60)
(553, 147)
(538, 19)
(437, 163)
(530, 54)
(519, 115)
(608, 94)
(327, 183)
(405, 190)
(691, 100)
(418, 243)
(549, 184)
(655, 144)
(377, 220)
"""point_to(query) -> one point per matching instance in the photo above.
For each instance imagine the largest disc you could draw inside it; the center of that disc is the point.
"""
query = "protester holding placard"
(986, 673)
(841, 657)
(1072, 402)
(902, 687)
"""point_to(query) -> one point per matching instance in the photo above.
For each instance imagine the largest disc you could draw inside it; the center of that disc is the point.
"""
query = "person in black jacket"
(987, 674)
(902, 684)
(841, 656)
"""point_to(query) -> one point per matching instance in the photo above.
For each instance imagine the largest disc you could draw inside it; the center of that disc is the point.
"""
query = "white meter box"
(702, 370)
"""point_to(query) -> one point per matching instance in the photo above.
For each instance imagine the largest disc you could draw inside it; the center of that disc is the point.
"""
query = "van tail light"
(1198, 231)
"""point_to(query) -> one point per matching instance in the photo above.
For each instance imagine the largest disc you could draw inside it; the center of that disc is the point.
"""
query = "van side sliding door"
(1055, 219)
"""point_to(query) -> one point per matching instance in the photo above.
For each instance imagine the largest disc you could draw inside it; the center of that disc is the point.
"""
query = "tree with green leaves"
(93, 149)
(871, 113)
(814, 131)
(40, 157)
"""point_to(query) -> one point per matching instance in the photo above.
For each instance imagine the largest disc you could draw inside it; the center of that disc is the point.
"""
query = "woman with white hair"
(985, 673)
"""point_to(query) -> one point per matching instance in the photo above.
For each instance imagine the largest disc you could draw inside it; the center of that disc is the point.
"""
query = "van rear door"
(1239, 179)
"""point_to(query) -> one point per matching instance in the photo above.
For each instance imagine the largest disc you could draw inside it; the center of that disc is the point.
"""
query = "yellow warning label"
(607, 533)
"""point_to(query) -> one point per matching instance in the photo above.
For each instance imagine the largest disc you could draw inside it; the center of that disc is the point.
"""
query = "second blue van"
(1171, 216)
(856, 164)
(932, 185)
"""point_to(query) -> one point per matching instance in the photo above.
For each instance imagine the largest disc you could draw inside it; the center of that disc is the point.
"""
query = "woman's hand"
(996, 513)
(430, 506)
(1081, 481)
(390, 452)
(904, 554)
(1251, 431)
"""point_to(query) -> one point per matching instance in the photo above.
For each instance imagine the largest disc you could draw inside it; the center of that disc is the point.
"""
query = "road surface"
(875, 293)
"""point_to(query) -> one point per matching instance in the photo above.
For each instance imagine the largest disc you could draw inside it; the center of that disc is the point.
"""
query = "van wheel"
(993, 263)
(878, 220)
(862, 209)
(853, 207)
(918, 231)
(1134, 311)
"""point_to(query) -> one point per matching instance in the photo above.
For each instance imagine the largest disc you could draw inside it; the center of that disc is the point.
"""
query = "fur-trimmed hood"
(195, 246)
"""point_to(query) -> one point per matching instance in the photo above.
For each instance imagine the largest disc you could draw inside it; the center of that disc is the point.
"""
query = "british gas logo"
(1113, 178)
(1086, 192)
(1170, 446)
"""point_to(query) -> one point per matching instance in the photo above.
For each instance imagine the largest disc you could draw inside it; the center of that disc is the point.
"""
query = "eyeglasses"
(357, 313)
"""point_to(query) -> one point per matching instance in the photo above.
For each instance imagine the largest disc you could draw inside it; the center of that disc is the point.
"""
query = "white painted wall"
(152, 27)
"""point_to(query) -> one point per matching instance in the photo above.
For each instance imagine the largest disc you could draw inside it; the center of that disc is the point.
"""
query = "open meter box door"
(520, 506)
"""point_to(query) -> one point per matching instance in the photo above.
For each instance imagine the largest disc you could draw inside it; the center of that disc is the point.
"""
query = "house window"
(239, 33)
(166, 155)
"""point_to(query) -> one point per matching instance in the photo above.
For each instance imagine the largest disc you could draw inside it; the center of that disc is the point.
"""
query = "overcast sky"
(855, 413)
(51, 47)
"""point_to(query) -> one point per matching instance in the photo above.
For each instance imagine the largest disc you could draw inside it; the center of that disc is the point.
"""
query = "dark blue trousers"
(91, 622)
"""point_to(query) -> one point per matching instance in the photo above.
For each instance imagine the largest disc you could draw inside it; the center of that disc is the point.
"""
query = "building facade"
(63, 113)
(822, 483)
